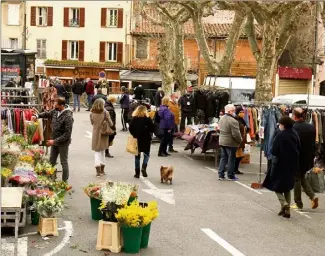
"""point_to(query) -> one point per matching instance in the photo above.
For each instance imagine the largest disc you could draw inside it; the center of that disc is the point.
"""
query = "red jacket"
(90, 88)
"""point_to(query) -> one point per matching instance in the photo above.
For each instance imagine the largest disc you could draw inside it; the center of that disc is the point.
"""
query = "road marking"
(302, 213)
(257, 163)
(232, 250)
(65, 240)
(35, 233)
(211, 169)
(8, 248)
(245, 186)
(188, 157)
(166, 195)
(89, 135)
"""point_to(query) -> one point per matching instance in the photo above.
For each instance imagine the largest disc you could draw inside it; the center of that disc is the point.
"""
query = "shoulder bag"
(106, 129)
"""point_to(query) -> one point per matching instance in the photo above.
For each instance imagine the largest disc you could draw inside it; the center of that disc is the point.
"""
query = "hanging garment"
(49, 96)
(320, 127)
(251, 123)
(9, 121)
(315, 119)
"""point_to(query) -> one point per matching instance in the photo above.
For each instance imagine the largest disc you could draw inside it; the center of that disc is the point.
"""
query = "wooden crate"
(48, 226)
(8, 217)
(109, 236)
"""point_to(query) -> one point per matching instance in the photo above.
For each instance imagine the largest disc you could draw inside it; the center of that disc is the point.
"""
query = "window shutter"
(120, 18)
(102, 51)
(81, 50)
(119, 53)
(66, 17)
(103, 17)
(64, 49)
(39, 52)
(33, 16)
(49, 16)
(82, 17)
(44, 49)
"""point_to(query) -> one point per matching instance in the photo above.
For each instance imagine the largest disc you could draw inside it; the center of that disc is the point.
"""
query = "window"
(74, 50)
(13, 14)
(142, 48)
(112, 51)
(13, 43)
(74, 16)
(112, 18)
(41, 16)
(41, 48)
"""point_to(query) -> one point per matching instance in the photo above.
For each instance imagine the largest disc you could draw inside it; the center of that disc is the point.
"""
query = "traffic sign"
(102, 74)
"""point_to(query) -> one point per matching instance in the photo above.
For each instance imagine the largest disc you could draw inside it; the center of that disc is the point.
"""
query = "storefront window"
(10, 69)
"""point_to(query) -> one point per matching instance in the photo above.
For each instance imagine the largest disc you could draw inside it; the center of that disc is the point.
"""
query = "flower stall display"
(45, 169)
(23, 175)
(133, 219)
(16, 139)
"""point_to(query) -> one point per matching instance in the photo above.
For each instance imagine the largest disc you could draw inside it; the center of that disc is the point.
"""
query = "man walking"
(77, 89)
(90, 90)
(99, 95)
(62, 123)
(307, 136)
(125, 105)
(229, 140)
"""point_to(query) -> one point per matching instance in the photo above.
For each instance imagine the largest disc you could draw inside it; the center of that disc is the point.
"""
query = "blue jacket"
(167, 118)
(125, 101)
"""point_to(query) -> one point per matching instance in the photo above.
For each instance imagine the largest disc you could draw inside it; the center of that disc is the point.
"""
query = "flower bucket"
(34, 217)
(131, 199)
(131, 239)
(96, 214)
(145, 236)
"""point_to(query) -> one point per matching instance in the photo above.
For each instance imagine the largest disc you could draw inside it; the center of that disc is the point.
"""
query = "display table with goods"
(24, 167)
(123, 221)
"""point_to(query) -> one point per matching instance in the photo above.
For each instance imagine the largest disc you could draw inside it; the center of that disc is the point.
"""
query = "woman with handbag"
(102, 123)
(141, 128)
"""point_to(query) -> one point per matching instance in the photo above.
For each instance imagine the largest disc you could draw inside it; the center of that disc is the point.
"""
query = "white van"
(315, 101)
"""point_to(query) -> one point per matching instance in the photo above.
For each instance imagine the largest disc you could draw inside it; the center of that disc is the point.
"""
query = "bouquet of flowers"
(9, 159)
(93, 190)
(5, 173)
(35, 194)
(23, 175)
(26, 158)
(135, 215)
(44, 168)
(18, 139)
(47, 207)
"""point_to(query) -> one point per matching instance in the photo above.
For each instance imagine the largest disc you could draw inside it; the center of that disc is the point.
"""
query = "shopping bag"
(316, 181)
(104, 91)
(248, 138)
(132, 145)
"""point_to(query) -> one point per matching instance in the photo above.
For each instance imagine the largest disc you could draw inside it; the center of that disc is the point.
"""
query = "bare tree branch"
(284, 7)
(145, 14)
(250, 32)
(261, 13)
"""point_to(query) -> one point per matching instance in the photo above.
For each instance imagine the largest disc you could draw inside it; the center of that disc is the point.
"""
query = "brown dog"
(166, 174)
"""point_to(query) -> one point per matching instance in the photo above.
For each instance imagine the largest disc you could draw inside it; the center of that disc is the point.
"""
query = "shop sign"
(295, 73)
(7, 73)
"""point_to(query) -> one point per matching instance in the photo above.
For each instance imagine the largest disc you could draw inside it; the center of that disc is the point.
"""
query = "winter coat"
(90, 88)
(285, 162)
(175, 109)
(158, 97)
(125, 101)
(99, 96)
(68, 87)
(141, 128)
(111, 110)
(307, 136)
(62, 123)
(138, 93)
(229, 132)
(77, 88)
(200, 100)
(60, 90)
(212, 103)
(99, 141)
(167, 118)
(243, 131)
(187, 104)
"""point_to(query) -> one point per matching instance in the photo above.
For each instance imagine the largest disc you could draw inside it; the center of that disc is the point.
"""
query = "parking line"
(211, 169)
(232, 250)
(190, 158)
(245, 186)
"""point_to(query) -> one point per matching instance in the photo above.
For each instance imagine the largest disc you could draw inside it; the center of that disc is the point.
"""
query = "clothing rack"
(21, 105)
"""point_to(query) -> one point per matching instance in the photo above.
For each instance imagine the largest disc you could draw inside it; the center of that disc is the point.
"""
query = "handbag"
(132, 145)
(316, 181)
(106, 129)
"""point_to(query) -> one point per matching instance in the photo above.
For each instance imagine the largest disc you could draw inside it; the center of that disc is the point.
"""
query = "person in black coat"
(188, 110)
(285, 163)
(139, 93)
(158, 97)
(111, 110)
(307, 136)
(141, 128)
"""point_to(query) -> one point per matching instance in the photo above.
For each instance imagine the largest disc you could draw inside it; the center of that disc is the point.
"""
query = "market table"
(11, 200)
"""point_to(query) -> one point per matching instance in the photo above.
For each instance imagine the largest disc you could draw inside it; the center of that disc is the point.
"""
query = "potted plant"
(151, 210)
(132, 219)
(93, 191)
(48, 207)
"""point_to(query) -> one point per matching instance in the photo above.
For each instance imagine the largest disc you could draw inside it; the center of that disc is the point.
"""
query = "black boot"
(144, 170)
(107, 154)
(172, 150)
(137, 173)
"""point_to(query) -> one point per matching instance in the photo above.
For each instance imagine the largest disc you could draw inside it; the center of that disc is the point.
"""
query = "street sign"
(102, 74)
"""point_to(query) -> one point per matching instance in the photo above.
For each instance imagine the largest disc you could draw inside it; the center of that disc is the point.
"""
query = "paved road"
(209, 217)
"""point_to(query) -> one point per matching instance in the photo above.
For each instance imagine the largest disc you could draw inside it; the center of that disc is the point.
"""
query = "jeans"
(164, 142)
(301, 181)
(228, 156)
(99, 158)
(284, 198)
(146, 156)
(76, 100)
(171, 139)
(90, 98)
(63, 151)
(183, 117)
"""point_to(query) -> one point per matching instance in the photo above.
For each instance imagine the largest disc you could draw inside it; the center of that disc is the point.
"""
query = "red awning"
(295, 73)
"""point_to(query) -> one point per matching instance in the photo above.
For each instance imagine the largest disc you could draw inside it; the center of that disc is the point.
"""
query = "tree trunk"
(180, 70)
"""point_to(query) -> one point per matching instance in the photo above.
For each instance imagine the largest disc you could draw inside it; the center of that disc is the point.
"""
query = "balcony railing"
(6, 43)
(74, 23)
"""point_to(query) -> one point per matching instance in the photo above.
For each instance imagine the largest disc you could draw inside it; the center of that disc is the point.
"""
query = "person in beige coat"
(99, 141)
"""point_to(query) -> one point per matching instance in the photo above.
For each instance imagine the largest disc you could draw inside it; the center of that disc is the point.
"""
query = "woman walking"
(99, 115)
(243, 131)
(281, 177)
(141, 128)
(167, 123)
(111, 110)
